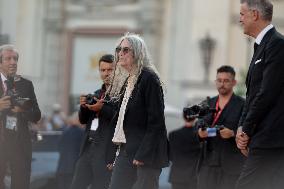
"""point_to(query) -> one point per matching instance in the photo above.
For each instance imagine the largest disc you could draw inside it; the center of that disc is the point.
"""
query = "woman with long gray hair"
(140, 130)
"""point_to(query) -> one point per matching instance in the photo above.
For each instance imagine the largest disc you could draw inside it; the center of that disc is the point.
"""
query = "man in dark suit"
(221, 160)
(98, 152)
(184, 155)
(261, 132)
(16, 146)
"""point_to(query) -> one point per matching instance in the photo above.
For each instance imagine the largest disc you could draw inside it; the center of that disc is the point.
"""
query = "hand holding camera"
(205, 131)
(5, 103)
(17, 102)
(91, 102)
(17, 109)
(202, 133)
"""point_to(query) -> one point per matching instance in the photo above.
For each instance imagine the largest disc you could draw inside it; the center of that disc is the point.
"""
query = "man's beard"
(223, 91)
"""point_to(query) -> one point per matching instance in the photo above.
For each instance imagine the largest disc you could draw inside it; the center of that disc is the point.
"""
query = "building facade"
(60, 41)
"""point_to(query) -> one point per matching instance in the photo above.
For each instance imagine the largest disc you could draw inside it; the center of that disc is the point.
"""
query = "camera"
(212, 131)
(15, 98)
(197, 111)
(90, 100)
(200, 111)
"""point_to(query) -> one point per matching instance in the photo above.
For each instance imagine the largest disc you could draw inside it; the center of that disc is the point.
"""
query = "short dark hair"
(227, 69)
(265, 7)
(109, 58)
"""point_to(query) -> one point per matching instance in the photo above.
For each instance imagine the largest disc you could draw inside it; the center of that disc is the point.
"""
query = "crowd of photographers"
(226, 141)
(203, 152)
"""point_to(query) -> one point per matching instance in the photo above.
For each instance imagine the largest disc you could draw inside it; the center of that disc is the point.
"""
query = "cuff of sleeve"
(249, 129)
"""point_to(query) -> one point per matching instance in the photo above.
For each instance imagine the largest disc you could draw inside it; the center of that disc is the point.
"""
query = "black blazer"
(224, 152)
(263, 115)
(25, 89)
(144, 122)
(104, 133)
(184, 153)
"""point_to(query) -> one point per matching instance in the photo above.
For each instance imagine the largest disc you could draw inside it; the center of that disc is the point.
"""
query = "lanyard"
(218, 112)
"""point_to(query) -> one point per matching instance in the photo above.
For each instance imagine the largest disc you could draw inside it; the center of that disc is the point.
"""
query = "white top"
(119, 135)
(260, 36)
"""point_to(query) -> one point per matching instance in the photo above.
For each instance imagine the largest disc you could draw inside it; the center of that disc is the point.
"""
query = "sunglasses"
(124, 50)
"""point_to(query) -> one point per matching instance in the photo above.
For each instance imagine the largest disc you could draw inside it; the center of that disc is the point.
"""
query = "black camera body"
(197, 111)
(200, 111)
(90, 100)
(15, 98)
(203, 125)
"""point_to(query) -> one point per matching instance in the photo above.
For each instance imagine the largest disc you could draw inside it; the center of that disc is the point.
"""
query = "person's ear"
(234, 82)
(255, 14)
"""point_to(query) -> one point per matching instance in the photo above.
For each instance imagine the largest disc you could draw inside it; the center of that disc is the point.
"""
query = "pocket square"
(258, 61)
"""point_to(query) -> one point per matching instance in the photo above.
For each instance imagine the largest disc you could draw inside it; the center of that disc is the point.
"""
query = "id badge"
(95, 124)
(212, 132)
(11, 122)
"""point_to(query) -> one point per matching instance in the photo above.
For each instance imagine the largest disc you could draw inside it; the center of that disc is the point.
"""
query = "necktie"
(255, 46)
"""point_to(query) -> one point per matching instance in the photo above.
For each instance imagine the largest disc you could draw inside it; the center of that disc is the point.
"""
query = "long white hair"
(141, 59)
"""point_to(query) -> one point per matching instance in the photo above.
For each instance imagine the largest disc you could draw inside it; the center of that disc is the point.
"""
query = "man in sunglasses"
(97, 154)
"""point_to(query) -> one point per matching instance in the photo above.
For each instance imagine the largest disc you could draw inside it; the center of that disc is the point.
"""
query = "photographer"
(184, 155)
(221, 161)
(18, 107)
(95, 162)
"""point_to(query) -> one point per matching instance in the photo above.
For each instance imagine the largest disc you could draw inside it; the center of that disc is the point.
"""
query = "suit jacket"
(104, 133)
(184, 153)
(263, 115)
(224, 152)
(69, 149)
(25, 89)
(144, 122)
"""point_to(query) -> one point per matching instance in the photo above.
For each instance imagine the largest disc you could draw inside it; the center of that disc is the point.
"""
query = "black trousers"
(263, 169)
(17, 157)
(91, 169)
(191, 184)
(127, 176)
(213, 177)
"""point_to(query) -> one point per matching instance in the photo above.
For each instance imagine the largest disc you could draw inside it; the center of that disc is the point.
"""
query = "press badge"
(95, 124)
(11, 122)
(212, 132)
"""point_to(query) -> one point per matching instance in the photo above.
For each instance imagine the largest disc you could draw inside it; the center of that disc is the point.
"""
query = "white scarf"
(119, 136)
